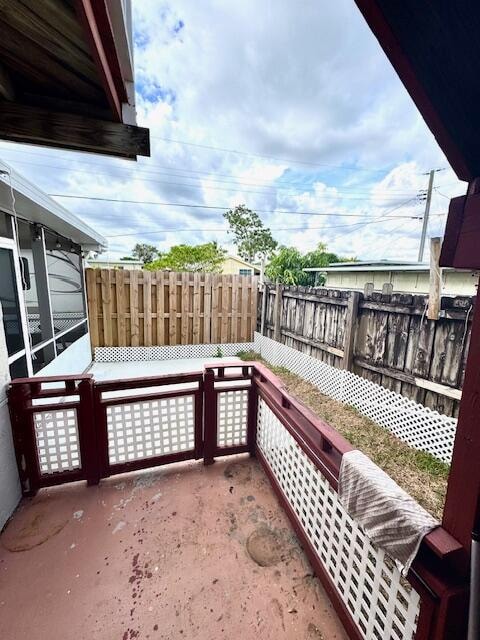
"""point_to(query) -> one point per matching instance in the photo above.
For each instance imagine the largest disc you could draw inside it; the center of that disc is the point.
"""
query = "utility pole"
(426, 215)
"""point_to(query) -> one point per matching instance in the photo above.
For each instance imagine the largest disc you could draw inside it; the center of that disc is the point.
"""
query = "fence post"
(350, 326)
(277, 313)
(23, 431)
(88, 433)
(210, 418)
(368, 290)
(252, 415)
(435, 286)
(263, 311)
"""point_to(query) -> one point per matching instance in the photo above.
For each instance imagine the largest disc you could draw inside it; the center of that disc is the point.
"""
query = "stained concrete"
(184, 551)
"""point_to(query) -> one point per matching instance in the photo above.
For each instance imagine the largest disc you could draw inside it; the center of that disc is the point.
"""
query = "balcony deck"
(183, 551)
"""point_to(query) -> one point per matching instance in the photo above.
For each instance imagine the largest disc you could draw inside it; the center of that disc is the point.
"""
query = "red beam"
(99, 32)
(464, 481)
(402, 65)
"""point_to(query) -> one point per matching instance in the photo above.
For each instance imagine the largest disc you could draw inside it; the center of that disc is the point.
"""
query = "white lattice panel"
(129, 354)
(382, 605)
(150, 428)
(56, 434)
(413, 423)
(232, 418)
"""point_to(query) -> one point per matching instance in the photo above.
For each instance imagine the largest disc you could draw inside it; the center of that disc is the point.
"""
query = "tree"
(287, 266)
(252, 238)
(205, 258)
(145, 252)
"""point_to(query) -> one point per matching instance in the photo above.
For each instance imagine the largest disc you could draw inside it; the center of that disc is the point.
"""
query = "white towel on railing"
(389, 516)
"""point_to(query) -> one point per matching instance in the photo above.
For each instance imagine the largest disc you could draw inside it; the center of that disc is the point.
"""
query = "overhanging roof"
(435, 49)
(66, 76)
(34, 205)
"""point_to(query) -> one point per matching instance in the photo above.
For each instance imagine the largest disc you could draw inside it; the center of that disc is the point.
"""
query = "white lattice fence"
(419, 426)
(56, 437)
(130, 354)
(150, 428)
(232, 418)
(382, 605)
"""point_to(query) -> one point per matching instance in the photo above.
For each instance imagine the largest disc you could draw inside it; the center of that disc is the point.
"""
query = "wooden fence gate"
(132, 308)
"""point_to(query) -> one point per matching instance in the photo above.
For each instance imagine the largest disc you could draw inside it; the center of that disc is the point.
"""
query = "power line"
(200, 206)
(259, 155)
(225, 230)
(268, 190)
(237, 180)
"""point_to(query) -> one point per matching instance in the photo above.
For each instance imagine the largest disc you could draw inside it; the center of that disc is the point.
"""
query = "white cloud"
(305, 82)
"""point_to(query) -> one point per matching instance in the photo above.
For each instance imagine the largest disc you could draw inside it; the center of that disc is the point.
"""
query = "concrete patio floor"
(184, 551)
(145, 368)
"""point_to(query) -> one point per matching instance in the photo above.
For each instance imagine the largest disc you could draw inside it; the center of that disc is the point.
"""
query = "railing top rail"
(239, 364)
(45, 379)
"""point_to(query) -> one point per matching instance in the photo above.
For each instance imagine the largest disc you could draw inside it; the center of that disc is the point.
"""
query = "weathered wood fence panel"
(144, 308)
(386, 338)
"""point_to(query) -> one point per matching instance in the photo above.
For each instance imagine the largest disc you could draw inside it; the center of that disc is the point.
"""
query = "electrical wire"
(259, 155)
(274, 186)
(225, 230)
(211, 207)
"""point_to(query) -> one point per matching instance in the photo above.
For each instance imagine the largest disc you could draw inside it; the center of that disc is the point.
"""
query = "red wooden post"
(210, 420)
(198, 446)
(88, 433)
(101, 431)
(23, 431)
(461, 250)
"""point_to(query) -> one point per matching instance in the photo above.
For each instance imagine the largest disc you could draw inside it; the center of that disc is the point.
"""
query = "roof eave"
(34, 205)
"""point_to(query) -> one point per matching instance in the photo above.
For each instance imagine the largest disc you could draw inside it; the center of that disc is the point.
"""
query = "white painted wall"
(75, 359)
(10, 491)
(461, 283)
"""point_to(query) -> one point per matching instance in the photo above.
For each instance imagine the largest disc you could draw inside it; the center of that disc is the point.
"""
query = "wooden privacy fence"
(386, 338)
(132, 308)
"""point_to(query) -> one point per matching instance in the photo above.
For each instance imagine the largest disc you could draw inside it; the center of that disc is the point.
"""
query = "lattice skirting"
(129, 354)
(381, 603)
(418, 426)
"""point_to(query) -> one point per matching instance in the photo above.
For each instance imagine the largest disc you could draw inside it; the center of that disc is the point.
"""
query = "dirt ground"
(420, 474)
(184, 551)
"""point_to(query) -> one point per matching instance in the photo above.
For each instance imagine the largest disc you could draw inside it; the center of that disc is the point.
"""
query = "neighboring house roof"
(376, 266)
(32, 204)
(242, 261)
(116, 262)
(67, 76)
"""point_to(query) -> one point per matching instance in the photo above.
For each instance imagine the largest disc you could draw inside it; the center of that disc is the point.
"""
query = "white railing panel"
(56, 436)
(380, 601)
(145, 429)
(232, 418)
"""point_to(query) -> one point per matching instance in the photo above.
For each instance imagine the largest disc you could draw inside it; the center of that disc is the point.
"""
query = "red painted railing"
(122, 425)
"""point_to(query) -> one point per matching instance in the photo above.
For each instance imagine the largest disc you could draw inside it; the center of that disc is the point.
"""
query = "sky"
(289, 108)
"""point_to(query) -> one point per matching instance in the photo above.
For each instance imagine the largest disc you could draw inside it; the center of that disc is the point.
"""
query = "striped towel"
(389, 516)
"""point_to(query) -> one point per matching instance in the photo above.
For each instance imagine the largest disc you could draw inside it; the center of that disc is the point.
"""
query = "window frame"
(28, 351)
(11, 245)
